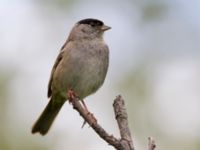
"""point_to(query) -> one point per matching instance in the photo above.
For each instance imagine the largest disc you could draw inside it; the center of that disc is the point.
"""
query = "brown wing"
(59, 58)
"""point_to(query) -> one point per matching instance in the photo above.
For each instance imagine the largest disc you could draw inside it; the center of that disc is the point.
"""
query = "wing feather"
(58, 60)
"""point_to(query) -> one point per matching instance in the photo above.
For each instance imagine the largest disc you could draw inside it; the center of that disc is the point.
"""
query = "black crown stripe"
(90, 21)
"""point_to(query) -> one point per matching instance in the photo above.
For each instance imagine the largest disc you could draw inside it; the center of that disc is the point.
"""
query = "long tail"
(47, 117)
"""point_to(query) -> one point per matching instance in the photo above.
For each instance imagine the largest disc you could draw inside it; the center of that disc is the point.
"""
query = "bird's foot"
(93, 120)
(85, 106)
(71, 95)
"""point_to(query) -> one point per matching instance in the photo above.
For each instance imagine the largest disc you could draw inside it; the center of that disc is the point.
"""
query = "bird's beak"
(104, 28)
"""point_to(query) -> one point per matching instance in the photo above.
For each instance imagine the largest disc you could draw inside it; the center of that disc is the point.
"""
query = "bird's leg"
(84, 105)
(94, 120)
(71, 95)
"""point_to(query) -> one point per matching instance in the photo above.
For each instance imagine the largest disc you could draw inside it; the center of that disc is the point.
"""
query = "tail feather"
(47, 117)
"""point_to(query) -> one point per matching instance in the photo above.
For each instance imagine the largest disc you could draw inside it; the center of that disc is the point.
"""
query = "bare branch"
(110, 139)
(122, 120)
(125, 142)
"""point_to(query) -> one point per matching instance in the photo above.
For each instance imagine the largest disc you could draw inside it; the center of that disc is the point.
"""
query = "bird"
(81, 67)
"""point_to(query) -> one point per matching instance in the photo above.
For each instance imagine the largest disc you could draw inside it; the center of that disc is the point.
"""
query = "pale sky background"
(154, 46)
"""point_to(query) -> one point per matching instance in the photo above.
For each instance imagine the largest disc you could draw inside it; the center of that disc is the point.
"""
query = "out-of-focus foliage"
(11, 136)
(153, 10)
(61, 4)
(4, 91)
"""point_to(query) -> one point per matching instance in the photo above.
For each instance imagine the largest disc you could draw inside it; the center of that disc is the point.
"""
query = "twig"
(125, 142)
(122, 121)
(97, 128)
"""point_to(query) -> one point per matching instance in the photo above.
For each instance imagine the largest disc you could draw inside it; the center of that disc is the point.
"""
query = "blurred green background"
(154, 65)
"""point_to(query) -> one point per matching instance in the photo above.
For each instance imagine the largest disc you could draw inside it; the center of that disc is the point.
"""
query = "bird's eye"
(92, 24)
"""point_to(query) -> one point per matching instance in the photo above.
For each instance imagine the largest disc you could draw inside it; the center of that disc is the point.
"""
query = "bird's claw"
(71, 95)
